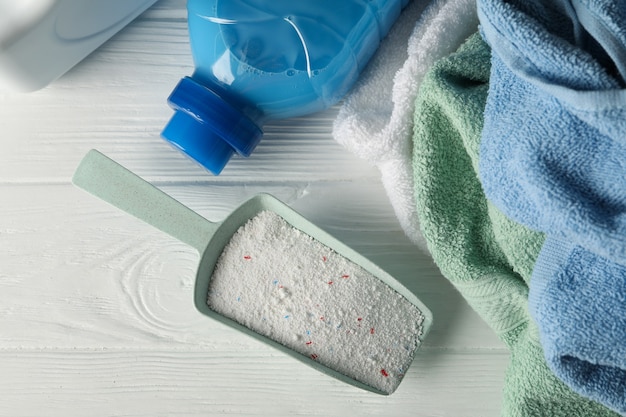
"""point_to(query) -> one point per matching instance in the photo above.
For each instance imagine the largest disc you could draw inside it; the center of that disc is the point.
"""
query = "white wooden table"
(96, 314)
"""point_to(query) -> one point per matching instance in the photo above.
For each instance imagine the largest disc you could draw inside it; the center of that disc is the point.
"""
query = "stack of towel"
(553, 157)
(511, 171)
(375, 121)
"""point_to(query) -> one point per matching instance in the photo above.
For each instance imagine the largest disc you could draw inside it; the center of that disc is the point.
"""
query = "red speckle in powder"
(322, 318)
(360, 319)
(384, 373)
(324, 258)
(372, 330)
(314, 356)
(247, 257)
(330, 283)
(345, 276)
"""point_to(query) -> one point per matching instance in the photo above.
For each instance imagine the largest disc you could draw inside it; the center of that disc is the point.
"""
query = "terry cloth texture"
(375, 121)
(488, 257)
(579, 302)
(554, 141)
(553, 157)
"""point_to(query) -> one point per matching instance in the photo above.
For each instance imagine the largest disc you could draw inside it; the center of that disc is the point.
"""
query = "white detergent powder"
(287, 286)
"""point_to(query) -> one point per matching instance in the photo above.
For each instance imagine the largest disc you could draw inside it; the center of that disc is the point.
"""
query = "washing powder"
(285, 285)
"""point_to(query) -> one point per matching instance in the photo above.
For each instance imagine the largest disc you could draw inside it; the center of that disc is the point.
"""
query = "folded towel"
(455, 217)
(579, 302)
(375, 120)
(488, 257)
(552, 157)
(554, 142)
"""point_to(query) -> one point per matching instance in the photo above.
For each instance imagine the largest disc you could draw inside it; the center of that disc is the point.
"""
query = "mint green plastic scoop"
(116, 185)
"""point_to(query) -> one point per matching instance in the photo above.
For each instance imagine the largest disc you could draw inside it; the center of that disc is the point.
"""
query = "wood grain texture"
(96, 313)
(190, 383)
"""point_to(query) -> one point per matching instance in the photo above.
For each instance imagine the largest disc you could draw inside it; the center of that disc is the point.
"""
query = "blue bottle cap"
(207, 128)
(198, 141)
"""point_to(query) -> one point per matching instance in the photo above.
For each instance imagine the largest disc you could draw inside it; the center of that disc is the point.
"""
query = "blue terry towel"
(553, 153)
(578, 300)
(553, 157)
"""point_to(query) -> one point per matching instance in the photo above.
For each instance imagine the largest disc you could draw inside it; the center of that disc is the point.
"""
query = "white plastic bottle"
(42, 39)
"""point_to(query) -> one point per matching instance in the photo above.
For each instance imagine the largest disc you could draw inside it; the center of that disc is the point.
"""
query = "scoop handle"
(111, 182)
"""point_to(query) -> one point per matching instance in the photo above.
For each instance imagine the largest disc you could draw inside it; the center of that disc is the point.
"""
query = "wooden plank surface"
(189, 383)
(96, 316)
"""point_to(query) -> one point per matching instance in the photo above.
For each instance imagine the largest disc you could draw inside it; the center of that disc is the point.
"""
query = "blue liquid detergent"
(258, 60)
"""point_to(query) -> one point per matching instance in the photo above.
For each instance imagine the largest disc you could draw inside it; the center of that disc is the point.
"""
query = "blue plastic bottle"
(258, 60)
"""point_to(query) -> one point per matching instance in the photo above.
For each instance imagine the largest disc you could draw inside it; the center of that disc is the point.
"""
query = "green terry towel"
(487, 257)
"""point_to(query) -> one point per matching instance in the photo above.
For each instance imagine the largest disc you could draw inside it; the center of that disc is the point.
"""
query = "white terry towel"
(375, 121)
